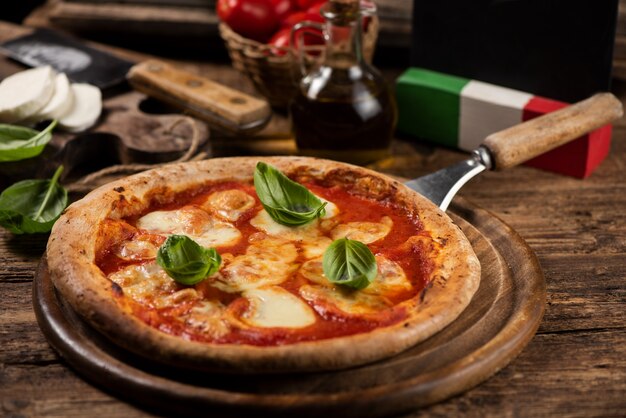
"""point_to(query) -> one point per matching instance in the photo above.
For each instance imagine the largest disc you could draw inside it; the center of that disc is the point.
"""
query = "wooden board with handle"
(499, 322)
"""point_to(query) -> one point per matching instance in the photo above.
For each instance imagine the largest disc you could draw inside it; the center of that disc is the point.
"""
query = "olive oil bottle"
(344, 109)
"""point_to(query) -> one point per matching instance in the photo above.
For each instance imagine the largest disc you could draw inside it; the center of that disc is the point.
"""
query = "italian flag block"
(461, 113)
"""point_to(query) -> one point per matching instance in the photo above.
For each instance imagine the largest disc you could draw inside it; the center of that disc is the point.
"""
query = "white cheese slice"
(207, 317)
(61, 102)
(266, 262)
(229, 204)
(86, 108)
(137, 250)
(365, 232)
(331, 209)
(146, 283)
(193, 222)
(353, 302)
(264, 222)
(274, 306)
(24, 93)
(315, 247)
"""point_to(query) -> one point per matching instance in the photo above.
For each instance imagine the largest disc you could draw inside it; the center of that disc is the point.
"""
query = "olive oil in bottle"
(344, 109)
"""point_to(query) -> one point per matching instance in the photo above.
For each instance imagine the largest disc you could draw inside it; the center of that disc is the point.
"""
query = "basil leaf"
(32, 206)
(185, 261)
(286, 201)
(349, 263)
(19, 143)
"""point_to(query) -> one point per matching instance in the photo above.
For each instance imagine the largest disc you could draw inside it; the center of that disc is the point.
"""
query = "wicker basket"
(274, 70)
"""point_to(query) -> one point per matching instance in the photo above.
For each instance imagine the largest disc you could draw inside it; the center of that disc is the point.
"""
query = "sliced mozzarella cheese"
(193, 222)
(207, 317)
(275, 307)
(266, 262)
(229, 204)
(348, 301)
(366, 232)
(61, 102)
(315, 247)
(264, 222)
(137, 250)
(331, 209)
(145, 283)
(86, 108)
(24, 93)
(390, 278)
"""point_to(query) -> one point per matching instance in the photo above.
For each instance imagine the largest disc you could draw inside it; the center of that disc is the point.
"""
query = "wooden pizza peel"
(501, 319)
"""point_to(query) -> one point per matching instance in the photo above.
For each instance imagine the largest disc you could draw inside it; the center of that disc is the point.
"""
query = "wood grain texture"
(574, 367)
(519, 143)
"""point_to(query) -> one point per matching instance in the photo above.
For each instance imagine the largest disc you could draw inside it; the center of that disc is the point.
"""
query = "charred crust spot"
(423, 293)
(406, 325)
(119, 189)
(82, 252)
(117, 289)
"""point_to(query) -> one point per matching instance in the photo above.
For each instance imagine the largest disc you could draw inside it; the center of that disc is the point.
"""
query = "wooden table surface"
(574, 366)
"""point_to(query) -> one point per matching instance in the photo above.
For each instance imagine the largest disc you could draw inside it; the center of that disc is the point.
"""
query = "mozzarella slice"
(24, 93)
(137, 250)
(265, 263)
(390, 278)
(365, 232)
(207, 317)
(61, 102)
(229, 204)
(315, 247)
(349, 301)
(331, 209)
(264, 222)
(146, 283)
(193, 222)
(85, 109)
(276, 307)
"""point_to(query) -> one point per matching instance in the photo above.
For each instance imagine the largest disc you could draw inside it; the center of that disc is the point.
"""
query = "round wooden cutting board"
(501, 319)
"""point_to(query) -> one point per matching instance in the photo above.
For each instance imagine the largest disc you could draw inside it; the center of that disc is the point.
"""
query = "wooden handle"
(199, 96)
(522, 142)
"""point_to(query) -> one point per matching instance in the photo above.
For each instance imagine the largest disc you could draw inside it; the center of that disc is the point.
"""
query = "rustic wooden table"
(574, 366)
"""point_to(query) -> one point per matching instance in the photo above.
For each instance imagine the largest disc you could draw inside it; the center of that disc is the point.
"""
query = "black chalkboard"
(561, 49)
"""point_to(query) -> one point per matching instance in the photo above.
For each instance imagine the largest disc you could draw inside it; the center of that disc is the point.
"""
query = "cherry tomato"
(254, 19)
(282, 39)
(283, 8)
(316, 9)
(305, 4)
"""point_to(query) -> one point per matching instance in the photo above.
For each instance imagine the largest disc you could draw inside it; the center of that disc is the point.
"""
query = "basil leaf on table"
(187, 262)
(349, 263)
(19, 142)
(286, 201)
(32, 206)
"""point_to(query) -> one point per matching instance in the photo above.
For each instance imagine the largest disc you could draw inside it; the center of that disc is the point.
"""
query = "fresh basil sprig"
(32, 206)
(19, 142)
(187, 262)
(286, 201)
(349, 263)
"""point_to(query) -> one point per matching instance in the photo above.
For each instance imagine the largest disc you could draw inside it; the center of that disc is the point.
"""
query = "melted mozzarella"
(315, 247)
(266, 262)
(137, 250)
(149, 284)
(276, 307)
(229, 204)
(390, 278)
(264, 222)
(331, 209)
(207, 317)
(193, 222)
(366, 232)
(349, 301)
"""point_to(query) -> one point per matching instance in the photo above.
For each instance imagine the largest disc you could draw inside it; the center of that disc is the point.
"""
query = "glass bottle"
(343, 109)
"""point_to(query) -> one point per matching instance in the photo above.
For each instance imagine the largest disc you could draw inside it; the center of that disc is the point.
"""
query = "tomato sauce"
(330, 321)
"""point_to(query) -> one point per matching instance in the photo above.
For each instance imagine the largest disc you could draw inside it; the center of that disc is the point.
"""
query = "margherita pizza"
(270, 304)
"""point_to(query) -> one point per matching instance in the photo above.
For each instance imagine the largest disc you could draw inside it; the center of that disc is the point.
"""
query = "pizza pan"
(501, 319)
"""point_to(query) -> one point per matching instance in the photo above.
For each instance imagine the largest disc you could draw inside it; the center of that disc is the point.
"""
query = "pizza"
(270, 305)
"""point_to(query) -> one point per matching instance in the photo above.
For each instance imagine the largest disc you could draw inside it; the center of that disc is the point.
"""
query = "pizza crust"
(72, 248)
